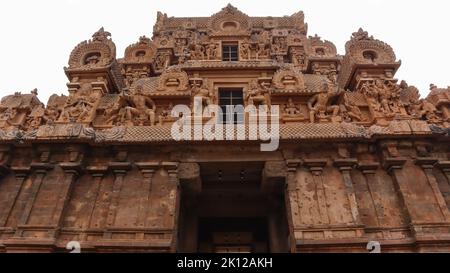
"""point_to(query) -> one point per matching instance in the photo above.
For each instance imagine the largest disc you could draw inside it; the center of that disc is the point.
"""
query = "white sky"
(38, 36)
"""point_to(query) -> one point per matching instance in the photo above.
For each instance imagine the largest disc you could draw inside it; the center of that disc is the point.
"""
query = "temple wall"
(339, 197)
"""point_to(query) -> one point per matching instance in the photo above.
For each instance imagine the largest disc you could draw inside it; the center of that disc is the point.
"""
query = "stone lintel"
(426, 162)
(346, 163)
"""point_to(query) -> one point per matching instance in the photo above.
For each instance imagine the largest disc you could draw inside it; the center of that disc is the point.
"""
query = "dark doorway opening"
(233, 212)
(233, 235)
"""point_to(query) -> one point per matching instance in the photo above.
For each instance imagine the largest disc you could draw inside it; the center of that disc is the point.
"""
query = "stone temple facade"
(361, 156)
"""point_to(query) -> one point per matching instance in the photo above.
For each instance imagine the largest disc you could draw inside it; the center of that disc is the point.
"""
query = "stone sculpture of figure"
(291, 109)
(280, 45)
(162, 61)
(212, 51)
(203, 92)
(353, 111)
(384, 95)
(198, 52)
(78, 107)
(429, 111)
(258, 94)
(262, 51)
(166, 113)
(36, 117)
(319, 104)
(244, 51)
(141, 107)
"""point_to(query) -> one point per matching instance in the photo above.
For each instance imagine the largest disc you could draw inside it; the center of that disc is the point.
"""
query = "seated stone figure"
(291, 110)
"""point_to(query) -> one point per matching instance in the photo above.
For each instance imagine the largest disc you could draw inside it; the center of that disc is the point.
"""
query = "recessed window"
(230, 52)
(231, 101)
(370, 55)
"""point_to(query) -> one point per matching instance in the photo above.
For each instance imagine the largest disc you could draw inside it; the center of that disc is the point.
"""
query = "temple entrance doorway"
(233, 212)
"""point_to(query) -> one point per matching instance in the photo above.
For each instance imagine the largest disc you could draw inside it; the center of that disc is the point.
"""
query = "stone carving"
(100, 51)
(289, 78)
(15, 110)
(141, 109)
(173, 79)
(80, 106)
(321, 49)
(321, 105)
(292, 110)
(258, 94)
(229, 22)
(203, 92)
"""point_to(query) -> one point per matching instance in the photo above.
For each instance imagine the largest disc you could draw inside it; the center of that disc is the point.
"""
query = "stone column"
(41, 170)
(345, 166)
(148, 170)
(21, 173)
(369, 169)
(97, 173)
(174, 199)
(394, 166)
(119, 169)
(316, 167)
(427, 165)
(291, 199)
(72, 170)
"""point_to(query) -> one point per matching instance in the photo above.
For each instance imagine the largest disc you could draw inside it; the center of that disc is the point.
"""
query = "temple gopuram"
(361, 156)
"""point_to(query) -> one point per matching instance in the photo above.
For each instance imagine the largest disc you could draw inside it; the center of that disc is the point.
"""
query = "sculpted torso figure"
(141, 107)
(319, 104)
(258, 94)
(291, 109)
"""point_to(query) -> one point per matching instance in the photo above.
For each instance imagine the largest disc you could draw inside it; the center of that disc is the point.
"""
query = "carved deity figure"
(353, 111)
(198, 53)
(291, 109)
(203, 92)
(319, 104)
(36, 118)
(79, 106)
(165, 114)
(141, 108)
(162, 61)
(279, 45)
(258, 94)
(212, 51)
(245, 51)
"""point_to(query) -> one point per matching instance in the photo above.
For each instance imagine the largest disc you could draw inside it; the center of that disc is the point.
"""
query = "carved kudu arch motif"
(100, 51)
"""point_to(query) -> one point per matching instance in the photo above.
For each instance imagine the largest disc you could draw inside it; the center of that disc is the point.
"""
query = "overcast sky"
(38, 36)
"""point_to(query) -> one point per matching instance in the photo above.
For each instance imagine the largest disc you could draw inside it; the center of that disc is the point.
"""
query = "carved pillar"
(72, 170)
(148, 170)
(427, 165)
(316, 168)
(174, 199)
(119, 169)
(445, 167)
(21, 173)
(97, 173)
(394, 166)
(40, 170)
(369, 169)
(345, 166)
(291, 199)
